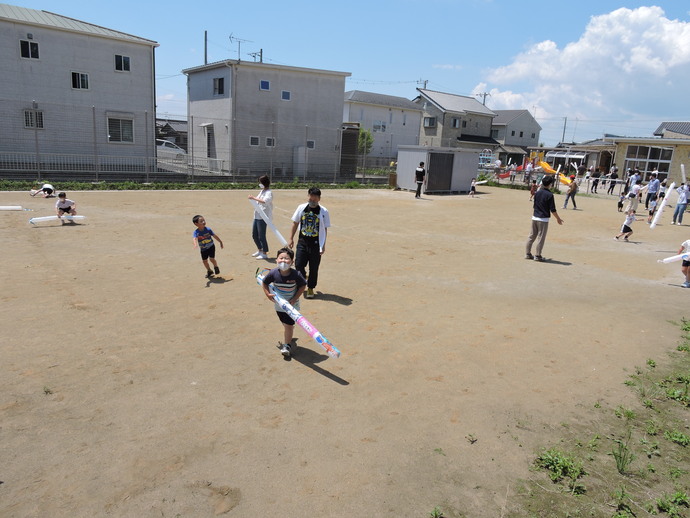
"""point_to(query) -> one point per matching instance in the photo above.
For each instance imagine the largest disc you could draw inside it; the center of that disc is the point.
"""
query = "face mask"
(284, 266)
(313, 204)
(261, 186)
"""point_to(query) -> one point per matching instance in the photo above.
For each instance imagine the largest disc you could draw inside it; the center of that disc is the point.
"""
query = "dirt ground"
(131, 386)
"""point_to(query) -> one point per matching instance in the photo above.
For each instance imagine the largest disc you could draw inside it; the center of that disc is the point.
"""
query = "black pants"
(308, 254)
(419, 190)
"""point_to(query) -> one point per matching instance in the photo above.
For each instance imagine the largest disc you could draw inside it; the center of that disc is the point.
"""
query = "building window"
(512, 133)
(121, 63)
(285, 95)
(254, 141)
(464, 124)
(521, 134)
(80, 81)
(311, 144)
(455, 123)
(379, 127)
(494, 133)
(270, 142)
(120, 130)
(29, 49)
(404, 118)
(429, 122)
(534, 135)
(646, 158)
(218, 86)
(264, 85)
(33, 119)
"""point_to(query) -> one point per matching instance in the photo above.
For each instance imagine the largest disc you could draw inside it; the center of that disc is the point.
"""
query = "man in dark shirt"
(544, 206)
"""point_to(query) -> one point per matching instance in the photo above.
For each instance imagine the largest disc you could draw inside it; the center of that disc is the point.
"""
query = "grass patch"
(637, 456)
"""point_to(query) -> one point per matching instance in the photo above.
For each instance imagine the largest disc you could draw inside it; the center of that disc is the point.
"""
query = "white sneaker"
(256, 253)
(261, 256)
(284, 349)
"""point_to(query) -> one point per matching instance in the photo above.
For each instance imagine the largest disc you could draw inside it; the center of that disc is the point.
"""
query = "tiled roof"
(392, 101)
(13, 13)
(676, 127)
(505, 116)
(456, 103)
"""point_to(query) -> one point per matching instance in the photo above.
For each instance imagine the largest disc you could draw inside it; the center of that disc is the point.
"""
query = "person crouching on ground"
(65, 206)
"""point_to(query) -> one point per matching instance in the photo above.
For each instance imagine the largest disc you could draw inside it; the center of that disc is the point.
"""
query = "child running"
(289, 284)
(685, 267)
(473, 188)
(203, 237)
(652, 209)
(626, 229)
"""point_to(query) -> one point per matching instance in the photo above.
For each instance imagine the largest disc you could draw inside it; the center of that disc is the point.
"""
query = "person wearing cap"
(572, 191)
(544, 207)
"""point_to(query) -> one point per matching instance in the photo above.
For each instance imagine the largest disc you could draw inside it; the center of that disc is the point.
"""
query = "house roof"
(13, 13)
(178, 126)
(253, 64)
(676, 127)
(505, 117)
(455, 103)
(357, 96)
(478, 139)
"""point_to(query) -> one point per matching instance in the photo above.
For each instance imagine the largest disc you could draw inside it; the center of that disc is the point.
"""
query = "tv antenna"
(239, 44)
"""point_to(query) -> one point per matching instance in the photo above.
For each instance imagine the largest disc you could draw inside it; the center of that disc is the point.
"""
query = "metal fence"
(97, 143)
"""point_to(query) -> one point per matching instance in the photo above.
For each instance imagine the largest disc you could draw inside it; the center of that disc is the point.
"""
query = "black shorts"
(67, 210)
(285, 318)
(626, 229)
(47, 191)
(208, 253)
(473, 189)
(685, 263)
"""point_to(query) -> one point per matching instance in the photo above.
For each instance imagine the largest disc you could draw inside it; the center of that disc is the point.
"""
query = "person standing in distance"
(420, 177)
(544, 206)
(313, 221)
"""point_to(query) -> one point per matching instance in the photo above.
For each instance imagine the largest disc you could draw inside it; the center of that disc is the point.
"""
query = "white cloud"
(629, 63)
(447, 67)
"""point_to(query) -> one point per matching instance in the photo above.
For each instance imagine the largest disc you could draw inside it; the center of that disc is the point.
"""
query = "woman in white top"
(265, 201)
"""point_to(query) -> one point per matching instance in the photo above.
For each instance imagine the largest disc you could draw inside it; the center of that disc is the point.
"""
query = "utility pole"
(565, 121)
(260, 54)
(484, 96)
(422, 81)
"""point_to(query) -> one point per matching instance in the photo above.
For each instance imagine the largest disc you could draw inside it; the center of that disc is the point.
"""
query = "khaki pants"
(538, 234)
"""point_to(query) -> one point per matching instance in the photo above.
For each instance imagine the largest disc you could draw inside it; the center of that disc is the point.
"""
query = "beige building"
(666, 152)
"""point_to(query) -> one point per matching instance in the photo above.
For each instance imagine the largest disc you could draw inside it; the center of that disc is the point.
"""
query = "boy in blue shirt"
(203, 237)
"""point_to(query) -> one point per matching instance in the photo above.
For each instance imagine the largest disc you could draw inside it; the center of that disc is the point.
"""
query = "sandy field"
(131, 386)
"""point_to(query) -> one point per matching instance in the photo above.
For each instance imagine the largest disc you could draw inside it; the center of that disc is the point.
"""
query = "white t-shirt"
(267, 196)
(685, 246)
(63, 204)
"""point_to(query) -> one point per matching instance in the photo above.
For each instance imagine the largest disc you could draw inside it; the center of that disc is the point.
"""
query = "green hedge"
(24, 185)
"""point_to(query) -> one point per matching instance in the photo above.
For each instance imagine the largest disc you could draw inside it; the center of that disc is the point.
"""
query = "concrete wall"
(313, 113)
(68, 113)
(402, 126)
(526, 124)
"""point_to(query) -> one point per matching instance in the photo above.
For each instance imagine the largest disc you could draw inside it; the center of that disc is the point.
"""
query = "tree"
(364, 142)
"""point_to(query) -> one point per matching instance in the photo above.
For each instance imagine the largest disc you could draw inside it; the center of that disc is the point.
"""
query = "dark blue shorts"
(285, 318)
(209, 252)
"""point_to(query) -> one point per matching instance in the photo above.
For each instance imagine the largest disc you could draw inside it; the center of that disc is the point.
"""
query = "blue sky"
(608, 66)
